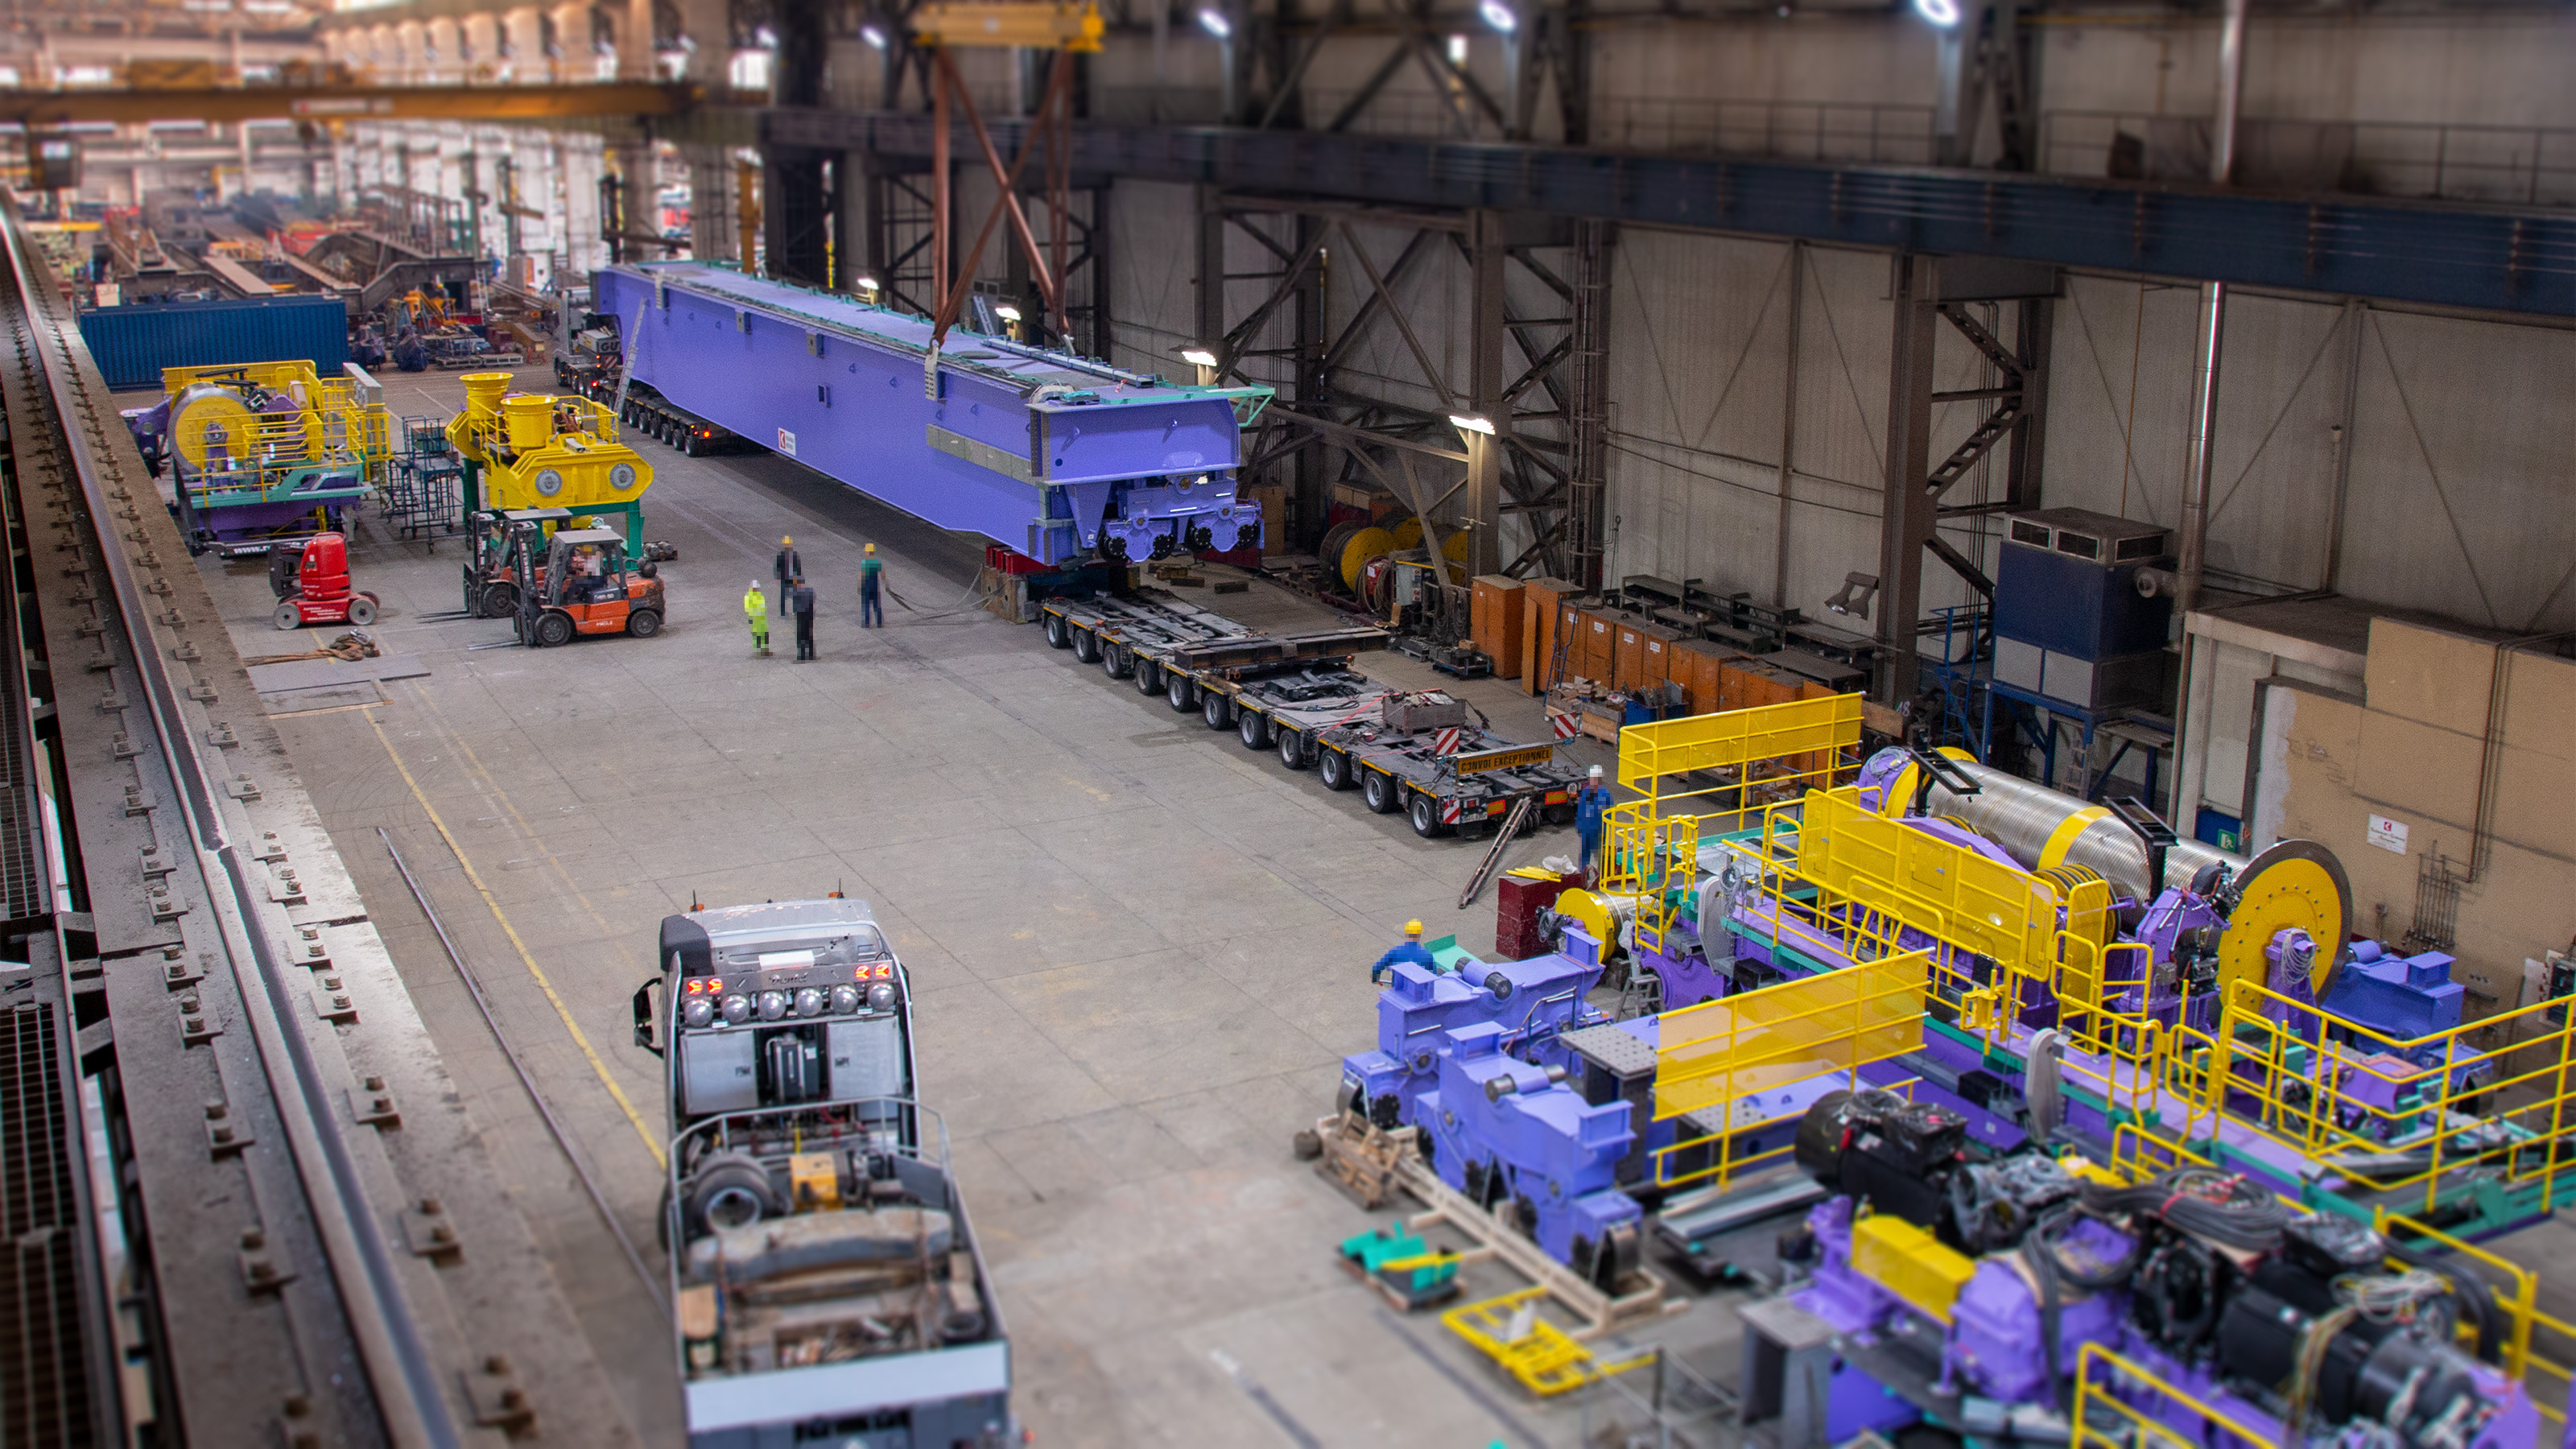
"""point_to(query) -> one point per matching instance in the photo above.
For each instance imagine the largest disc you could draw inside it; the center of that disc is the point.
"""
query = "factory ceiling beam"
(2488, 258)
(351, 103)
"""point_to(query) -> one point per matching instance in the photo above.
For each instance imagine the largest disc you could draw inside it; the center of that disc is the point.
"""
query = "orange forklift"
(491, 580)
(584, 586)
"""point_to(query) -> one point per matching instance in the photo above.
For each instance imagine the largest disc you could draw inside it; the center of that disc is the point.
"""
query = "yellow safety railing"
(1705, 775)
(230, 450)
(2358, 1102)
(1731, 1061)
(487, 434)
(2108, 1390)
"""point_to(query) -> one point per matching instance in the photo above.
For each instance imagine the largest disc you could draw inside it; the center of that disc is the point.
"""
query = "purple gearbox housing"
(1052, 455)
(1534, 1003)
(1506, 1132)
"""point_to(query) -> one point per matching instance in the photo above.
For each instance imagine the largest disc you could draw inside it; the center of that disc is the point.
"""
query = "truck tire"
(1292, 748)
(1212, 708)
(1149, 677)
(1117, 660)
(1378, 788)
(1334, 767)
(1180, 691)
(1426, 815)
(1086, 646)
(1057, 635)
(1557, 814)
(1253, 729)
(729, 1191)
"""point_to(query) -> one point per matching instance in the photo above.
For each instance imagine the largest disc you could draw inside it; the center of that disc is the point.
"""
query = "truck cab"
(824, 1278)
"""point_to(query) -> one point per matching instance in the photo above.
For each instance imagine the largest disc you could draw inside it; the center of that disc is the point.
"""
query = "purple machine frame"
(1049, 454)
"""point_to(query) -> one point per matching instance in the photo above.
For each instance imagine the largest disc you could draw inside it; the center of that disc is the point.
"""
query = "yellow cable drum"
(213, 429)
(1364, 545)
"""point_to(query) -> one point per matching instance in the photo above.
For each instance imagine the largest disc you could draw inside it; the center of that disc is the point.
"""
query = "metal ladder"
(1520, 814)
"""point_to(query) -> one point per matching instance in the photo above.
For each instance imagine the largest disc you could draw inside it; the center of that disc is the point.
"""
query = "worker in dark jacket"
(1590, 808)
(1409, 950)
(788, 569)
(802, 601)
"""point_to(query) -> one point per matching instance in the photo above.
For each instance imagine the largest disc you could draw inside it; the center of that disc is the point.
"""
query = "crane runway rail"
(323, 1249)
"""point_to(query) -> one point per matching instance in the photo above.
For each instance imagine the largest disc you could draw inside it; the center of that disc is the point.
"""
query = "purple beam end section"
(1048, 454)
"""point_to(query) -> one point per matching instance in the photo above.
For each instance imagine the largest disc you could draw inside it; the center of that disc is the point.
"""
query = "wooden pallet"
(1364, 1159)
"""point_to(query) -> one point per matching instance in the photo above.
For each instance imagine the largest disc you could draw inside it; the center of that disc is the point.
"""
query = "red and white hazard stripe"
(1448, 812)
(1446, 742)
(1563, 724)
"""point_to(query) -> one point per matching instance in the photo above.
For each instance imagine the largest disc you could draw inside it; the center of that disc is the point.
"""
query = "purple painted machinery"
(1532, 1004)
(1052, 455)
(1957, 1288)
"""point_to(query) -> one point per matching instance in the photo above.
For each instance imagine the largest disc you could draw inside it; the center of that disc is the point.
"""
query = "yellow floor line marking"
(660, 1159)
(474, 763)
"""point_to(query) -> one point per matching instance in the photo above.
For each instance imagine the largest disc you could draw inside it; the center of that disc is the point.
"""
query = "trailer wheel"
(1557, 814)
(1116, 660)
(1086, 646)
(1058, 636)
(1212, 708)
(1253, 728)
(1334, 767)
(1426, 816)
(1149, 677)
(1292, 748)
(1183, 694)
(691, 446)
(1378, 789)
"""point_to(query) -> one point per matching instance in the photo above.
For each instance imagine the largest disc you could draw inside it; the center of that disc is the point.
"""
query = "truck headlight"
(773, 1005)
(881, 995)
(699, 1011)
(845, 998)
(809, 1002)
(737, 1008)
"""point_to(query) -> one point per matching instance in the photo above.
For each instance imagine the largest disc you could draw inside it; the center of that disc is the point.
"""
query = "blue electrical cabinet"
(2070, 624)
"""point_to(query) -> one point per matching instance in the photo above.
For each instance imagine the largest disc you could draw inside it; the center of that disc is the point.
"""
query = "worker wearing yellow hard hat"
(1409, 949)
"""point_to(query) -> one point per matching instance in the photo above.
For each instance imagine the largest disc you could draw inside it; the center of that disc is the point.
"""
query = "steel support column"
(1906, 524)
(1588, 387)
(1483, 514)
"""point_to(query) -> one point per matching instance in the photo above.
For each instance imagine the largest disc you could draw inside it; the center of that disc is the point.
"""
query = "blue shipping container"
(132, 344)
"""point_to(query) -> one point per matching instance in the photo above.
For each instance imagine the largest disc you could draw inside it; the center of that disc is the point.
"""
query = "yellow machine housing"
(214, 430)
(529, 451)
(1910, 1263)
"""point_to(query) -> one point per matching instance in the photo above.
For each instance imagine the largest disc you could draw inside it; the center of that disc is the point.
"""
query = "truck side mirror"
(643, 1006)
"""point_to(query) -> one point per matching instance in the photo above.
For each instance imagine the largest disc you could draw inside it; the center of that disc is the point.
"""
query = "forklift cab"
(584, 585)
(491, 583)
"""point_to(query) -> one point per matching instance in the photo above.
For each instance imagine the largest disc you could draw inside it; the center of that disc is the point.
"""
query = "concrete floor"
(1139, 951)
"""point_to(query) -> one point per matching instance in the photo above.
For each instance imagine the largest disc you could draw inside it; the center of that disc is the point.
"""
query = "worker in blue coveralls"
(1410, 950)
(1590, 804)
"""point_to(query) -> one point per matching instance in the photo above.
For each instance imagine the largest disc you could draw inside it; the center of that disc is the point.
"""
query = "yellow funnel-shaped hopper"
(530, 420)
(483, 391)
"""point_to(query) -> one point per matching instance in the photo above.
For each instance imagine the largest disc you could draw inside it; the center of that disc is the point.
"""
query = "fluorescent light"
(1939, 12)
(1198, 357)
(1214, 23)
(873, 34)
(1007, 312)
(865, 284)
(1457, 50)
(1469, 424)
(1499, 15)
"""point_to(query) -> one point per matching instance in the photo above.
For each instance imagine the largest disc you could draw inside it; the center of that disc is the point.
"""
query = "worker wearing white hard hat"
(756, 609)
(1409, 949)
